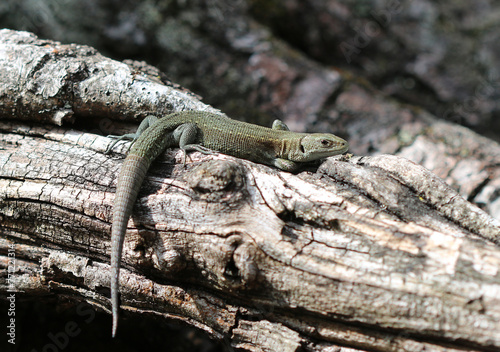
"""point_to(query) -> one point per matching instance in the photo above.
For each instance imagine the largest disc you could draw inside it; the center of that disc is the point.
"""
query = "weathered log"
(372, 253)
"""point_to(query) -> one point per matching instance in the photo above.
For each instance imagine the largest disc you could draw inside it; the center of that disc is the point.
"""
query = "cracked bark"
(363, 253)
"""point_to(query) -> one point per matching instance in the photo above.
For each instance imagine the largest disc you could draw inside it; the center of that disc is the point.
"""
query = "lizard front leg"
(285, 165)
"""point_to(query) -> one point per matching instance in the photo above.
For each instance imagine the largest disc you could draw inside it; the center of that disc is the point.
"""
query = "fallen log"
(369, 253)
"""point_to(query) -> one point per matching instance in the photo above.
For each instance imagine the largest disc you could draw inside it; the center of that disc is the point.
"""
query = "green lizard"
(207, 133)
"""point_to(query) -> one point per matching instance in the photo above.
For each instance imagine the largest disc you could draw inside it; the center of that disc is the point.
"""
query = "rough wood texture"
(315, 64)
(364, 253)
(42, 81)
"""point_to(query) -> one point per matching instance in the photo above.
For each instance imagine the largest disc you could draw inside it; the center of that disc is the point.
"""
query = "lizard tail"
(131, 176)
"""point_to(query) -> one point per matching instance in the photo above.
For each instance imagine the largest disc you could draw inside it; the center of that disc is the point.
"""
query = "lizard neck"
(291, 147)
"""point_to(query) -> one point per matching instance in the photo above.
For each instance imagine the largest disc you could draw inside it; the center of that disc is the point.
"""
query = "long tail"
(132, 174)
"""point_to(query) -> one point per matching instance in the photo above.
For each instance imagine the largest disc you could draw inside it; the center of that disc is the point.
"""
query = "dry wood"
(369, 253)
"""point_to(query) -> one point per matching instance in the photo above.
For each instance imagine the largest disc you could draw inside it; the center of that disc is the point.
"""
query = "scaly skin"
(205, 132)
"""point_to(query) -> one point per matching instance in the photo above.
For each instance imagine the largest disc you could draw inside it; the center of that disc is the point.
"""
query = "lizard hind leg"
(129, 136)
(148, 121)
(186, 136)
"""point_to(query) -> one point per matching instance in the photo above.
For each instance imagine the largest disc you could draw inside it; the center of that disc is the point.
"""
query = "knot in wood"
(215, 179)
(240, 267)
(168, 260)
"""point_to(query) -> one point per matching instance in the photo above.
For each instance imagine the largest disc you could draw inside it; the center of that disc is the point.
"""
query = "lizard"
(207, 133)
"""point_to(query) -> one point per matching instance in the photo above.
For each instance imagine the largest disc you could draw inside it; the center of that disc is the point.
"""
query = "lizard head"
(315, 146)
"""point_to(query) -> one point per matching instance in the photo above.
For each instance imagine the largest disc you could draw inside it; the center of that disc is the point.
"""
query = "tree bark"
(252, 59)
(364, 253)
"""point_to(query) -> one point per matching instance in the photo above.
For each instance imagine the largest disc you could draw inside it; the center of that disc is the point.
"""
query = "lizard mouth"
(345, 147)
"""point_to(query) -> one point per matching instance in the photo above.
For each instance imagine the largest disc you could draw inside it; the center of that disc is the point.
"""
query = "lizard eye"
(326, 143)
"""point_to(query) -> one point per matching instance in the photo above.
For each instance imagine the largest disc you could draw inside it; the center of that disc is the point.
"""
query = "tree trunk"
(360, 253)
